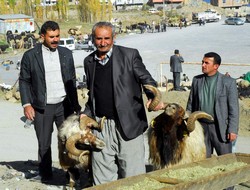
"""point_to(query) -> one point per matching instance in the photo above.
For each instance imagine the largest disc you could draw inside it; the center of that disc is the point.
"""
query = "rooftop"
(13, 16)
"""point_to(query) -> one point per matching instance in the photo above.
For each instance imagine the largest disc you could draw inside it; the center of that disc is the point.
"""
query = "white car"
(153, 11)
(86, 45)
(68, 43)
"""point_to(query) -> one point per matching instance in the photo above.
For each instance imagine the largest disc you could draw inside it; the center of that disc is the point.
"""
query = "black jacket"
(129, 74)
(32, 78)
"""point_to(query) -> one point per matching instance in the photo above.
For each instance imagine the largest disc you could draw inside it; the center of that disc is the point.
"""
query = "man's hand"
(231, 136)
(160, 106)
(82, 115)
(29, 112)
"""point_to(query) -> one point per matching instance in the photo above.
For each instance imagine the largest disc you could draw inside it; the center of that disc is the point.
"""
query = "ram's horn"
(157, 97)
(70, 144)
(194, 116)
(84, 157)
(101, 123)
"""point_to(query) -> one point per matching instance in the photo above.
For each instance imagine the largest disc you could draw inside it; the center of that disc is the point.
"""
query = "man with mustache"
(115, 77)
(48, 91)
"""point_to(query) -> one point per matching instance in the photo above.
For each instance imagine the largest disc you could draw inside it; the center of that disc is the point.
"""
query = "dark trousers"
(213, 140)
(176, 80)
(44, 128)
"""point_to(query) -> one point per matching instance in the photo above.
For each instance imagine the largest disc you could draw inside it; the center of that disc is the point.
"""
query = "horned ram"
(75, 143)
(175, 137)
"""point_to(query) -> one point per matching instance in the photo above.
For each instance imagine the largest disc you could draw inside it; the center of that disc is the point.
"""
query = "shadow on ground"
(30, 169)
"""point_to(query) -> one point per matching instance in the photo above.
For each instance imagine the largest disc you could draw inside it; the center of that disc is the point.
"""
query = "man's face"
(51, 38)
(208, 66)
(103, 39)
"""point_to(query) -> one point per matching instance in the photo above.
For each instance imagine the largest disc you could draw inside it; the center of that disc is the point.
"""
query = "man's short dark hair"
(49, 25)
(217, 58)
(176, 51)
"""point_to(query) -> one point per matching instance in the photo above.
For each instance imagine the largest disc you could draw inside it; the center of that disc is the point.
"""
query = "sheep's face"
(175, 111)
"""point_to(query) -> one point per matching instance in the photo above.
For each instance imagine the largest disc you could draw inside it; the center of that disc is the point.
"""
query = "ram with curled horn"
(75, 143)
(175, 136)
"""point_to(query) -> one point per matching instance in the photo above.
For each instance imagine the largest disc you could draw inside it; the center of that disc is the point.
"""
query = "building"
(167, 1)
(16, 22)
(229, 3)
(129, 3)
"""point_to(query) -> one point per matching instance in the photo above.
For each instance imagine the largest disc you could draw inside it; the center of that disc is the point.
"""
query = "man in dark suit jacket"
(217, 95)
(175, 66)
(115, 76)
(48, 91)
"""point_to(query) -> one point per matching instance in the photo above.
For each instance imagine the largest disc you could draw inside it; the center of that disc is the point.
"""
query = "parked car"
(84, 45)
(68, 43)
(234, 21)
(153, 11)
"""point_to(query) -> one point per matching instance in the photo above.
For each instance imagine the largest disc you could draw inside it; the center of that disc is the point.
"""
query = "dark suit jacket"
(129, 74)
(32, 78)
(226, 103)
(175, 63)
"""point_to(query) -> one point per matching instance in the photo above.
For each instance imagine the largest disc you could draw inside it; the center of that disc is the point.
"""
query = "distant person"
(164, 27)
(201, 21)
(120, 27)
(48, 91)
(217, 95)
(176, 61)
(180, 23)
(153, 26)
(115, 77)
(90, 45)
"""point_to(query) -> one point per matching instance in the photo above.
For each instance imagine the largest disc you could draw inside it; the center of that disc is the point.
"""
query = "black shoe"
(46, 179)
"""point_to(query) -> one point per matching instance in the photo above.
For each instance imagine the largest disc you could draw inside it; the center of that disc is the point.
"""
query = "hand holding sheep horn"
(155, 104)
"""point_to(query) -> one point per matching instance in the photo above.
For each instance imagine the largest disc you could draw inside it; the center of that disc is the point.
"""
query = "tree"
(26, 7)
(110, 10)
(3, 7)
(94, 10)
(12, 4)
(38, 9)
(62, 9)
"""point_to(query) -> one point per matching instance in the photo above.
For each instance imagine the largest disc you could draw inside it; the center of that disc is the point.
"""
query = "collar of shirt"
(46, 49)
(106, 58)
